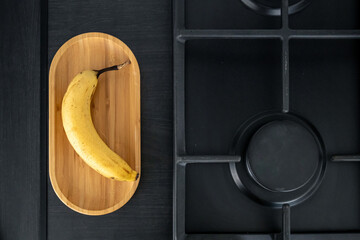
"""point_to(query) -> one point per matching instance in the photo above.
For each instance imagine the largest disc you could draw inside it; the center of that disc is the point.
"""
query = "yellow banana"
(81, 132)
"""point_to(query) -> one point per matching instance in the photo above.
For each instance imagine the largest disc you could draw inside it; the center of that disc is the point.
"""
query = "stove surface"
(248, 69)
(228, 82)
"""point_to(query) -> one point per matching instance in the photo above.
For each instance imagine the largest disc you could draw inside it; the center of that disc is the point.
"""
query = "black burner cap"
(273, 7)
(282, 156)
(284, 159)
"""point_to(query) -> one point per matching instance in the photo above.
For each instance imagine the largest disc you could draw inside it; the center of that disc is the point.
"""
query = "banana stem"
(116, 67)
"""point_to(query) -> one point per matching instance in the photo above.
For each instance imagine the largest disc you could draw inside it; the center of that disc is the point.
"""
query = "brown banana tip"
(116, 67)
(123, 64)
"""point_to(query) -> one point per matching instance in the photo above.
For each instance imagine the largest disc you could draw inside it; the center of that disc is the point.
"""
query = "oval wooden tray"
(116, 116)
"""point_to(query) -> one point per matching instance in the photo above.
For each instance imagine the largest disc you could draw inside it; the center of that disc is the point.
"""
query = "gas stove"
(266, 119)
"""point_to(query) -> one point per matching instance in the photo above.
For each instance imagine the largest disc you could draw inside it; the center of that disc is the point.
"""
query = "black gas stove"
(267, 123)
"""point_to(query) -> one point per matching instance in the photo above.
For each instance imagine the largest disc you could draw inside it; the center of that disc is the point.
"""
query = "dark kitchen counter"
(31, 33)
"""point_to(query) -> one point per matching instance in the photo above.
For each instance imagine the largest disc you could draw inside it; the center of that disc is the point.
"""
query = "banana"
(80, 130)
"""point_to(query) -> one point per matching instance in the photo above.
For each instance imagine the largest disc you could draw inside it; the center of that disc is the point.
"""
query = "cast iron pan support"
(346, 158)
(285, 56)
(285, 235)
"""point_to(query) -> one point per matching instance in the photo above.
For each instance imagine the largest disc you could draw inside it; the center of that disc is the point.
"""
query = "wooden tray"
(116, 116)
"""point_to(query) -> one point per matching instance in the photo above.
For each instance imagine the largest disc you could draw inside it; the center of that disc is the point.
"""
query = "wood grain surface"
(116, 116)
(22, 204)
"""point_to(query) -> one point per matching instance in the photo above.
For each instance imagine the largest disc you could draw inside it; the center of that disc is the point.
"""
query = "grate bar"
(208, 159)
(285, 14)
(285, 76)
(324, 34)
(187, 34)
(346, 158)
(285, 57)
(285, 235)
(303, 236)
(179, 80)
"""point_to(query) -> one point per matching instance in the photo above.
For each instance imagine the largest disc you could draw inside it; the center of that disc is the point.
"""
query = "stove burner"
(283, 159)
(282, 156)
(273, 7)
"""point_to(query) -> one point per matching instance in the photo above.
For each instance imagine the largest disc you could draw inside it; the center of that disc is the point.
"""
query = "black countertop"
(31, 33)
